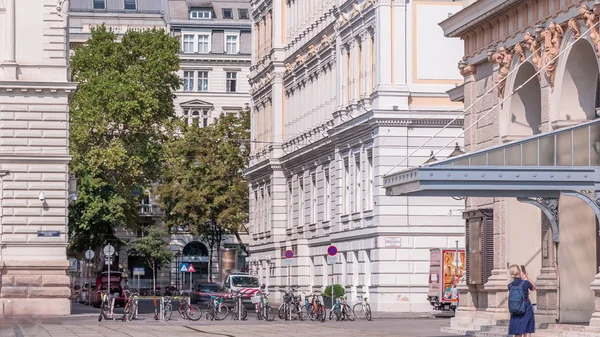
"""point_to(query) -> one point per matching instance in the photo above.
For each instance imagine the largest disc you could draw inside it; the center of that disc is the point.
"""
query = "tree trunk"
(218, 244)
(210, 261)
(154, 278)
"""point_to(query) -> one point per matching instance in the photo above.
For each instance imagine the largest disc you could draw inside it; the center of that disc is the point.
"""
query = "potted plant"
(338, 291)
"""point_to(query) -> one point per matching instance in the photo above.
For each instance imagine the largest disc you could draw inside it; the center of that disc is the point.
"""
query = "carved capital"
(466, 69)
(531, 43)
(573, 25)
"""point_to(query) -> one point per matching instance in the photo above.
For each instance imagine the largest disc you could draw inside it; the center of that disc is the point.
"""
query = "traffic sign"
(191, 269)
(183, 267)
(109, 250)
(332, 259)
(89, 254)
(288, 262)
(108, 260)
(288, 254)
(332, 250)
(139, 271)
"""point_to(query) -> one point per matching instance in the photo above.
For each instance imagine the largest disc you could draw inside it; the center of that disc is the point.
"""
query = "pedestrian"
(522, 319)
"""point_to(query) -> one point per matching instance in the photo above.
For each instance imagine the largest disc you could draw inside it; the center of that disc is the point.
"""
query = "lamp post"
(177, 256)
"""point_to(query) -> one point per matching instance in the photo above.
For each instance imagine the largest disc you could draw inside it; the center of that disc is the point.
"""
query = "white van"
(238, 281)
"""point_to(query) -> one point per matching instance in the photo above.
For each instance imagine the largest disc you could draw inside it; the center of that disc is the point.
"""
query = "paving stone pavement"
(89, 327)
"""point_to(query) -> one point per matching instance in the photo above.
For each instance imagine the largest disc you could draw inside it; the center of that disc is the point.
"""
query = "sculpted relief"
(503, 58)
(552, 40)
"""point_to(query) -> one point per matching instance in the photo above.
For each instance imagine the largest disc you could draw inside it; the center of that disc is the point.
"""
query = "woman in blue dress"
(522, 325)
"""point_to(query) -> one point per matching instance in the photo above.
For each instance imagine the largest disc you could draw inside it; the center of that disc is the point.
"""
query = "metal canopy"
(539, 166)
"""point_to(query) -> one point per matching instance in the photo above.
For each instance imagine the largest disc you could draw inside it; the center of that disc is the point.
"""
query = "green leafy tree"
(120, 118)
(203, 185)
(153, 249)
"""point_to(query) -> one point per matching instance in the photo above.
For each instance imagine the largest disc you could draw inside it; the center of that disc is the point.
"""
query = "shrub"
(338, 291)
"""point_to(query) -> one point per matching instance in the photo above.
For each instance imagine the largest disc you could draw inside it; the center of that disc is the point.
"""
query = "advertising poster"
(449, 271)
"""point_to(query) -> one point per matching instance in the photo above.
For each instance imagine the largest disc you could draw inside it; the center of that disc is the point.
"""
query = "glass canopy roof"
(567, 159)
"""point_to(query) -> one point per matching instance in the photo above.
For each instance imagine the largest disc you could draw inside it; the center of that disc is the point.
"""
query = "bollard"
(112, 306)
(137, 304)
(161, 309)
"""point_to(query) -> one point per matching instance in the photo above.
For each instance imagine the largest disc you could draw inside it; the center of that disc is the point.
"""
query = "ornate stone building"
(342, 92)
(34, 157)
(531, 174)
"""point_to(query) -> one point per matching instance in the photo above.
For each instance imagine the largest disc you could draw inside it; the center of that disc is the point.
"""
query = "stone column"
(9, 66)
(383, 41)
(595, 320)
(547, 281)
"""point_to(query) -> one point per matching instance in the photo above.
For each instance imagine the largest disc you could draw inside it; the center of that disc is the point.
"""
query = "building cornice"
(37, 87)
(475, 14)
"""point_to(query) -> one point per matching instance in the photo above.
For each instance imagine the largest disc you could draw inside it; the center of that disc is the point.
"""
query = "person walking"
(522, 319)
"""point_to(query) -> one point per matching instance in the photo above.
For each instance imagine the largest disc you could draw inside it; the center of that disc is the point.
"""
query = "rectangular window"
(205, 121)
(129, 4)
(202, 14)
(313, 198)
(243, 13)
(231, 44)
(301, 197)
(290, 204)
(357, 184)
(204, 43)
(327, 196)
(369, 181)
(227, 13)
(188, 43)
(203, 81)
(346, 187)
(99, 4)
(188, 81)
(231, 81)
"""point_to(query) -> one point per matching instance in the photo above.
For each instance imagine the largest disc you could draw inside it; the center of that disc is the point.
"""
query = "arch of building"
(576, 83)
(521, 115)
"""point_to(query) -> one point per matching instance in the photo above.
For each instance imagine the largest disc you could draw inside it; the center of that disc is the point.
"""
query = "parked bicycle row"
(294, 307)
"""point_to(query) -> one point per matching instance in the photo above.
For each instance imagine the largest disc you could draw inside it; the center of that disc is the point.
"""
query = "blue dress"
(524, 323)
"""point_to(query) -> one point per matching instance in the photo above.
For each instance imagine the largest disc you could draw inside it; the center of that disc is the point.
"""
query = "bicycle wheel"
(221, 312)
(259, 310)
(194, 313)
(101, 312)
(168, 311)
(368, 312)
(322, 313)
(183, 312)
(244, 312)
(348, 312)
(359, 311)
(132, 311)
(268, 314)
(281, 311)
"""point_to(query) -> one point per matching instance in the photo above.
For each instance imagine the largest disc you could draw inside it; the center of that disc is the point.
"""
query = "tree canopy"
(152, 249)
(203, 185)
(120, 119)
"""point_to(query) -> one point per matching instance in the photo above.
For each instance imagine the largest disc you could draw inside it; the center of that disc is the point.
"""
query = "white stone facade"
(342, 92)
(34, 157)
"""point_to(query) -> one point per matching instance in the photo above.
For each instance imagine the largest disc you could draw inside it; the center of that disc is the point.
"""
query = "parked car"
(115, 288)
(203, 291)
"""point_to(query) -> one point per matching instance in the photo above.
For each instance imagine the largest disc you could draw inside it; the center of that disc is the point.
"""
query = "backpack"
(516, 300)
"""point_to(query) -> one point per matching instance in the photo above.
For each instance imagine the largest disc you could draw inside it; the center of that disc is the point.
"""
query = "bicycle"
(188, 311)
(341, 310)
(238, 310)
(291, 307)
(167, 308)
(131, 306)
(216, 309)
(261, 304)
(314, 309)
(362, 309)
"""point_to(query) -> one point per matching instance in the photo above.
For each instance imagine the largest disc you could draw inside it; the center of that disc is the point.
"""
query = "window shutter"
(474, 251)
(488, 245)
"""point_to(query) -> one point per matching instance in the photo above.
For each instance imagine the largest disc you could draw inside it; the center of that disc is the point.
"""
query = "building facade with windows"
(215, 61)
(343, 92)
(35, 90)
(530, 176)
(215, 57)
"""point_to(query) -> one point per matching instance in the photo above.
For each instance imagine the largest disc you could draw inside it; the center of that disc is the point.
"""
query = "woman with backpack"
(522, 320)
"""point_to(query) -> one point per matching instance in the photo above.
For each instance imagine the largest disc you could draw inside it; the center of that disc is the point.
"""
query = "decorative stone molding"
(520, 52)
(503, 58)
(466, 69)
(531, 43)
(590, 19)
(355, 10)
(573, 25)
(552, 40)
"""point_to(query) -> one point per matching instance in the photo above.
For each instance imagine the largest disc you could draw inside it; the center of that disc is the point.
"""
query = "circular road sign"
(289, 254)
(332, 250)
(109, 250)
(89, 254)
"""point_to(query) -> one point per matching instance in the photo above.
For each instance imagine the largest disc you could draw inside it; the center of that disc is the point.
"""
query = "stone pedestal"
(547, 295)
(497, 291)
(35, 288)
(595, 320)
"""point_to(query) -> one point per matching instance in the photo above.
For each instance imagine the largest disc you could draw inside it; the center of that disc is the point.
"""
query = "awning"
(543, 165)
